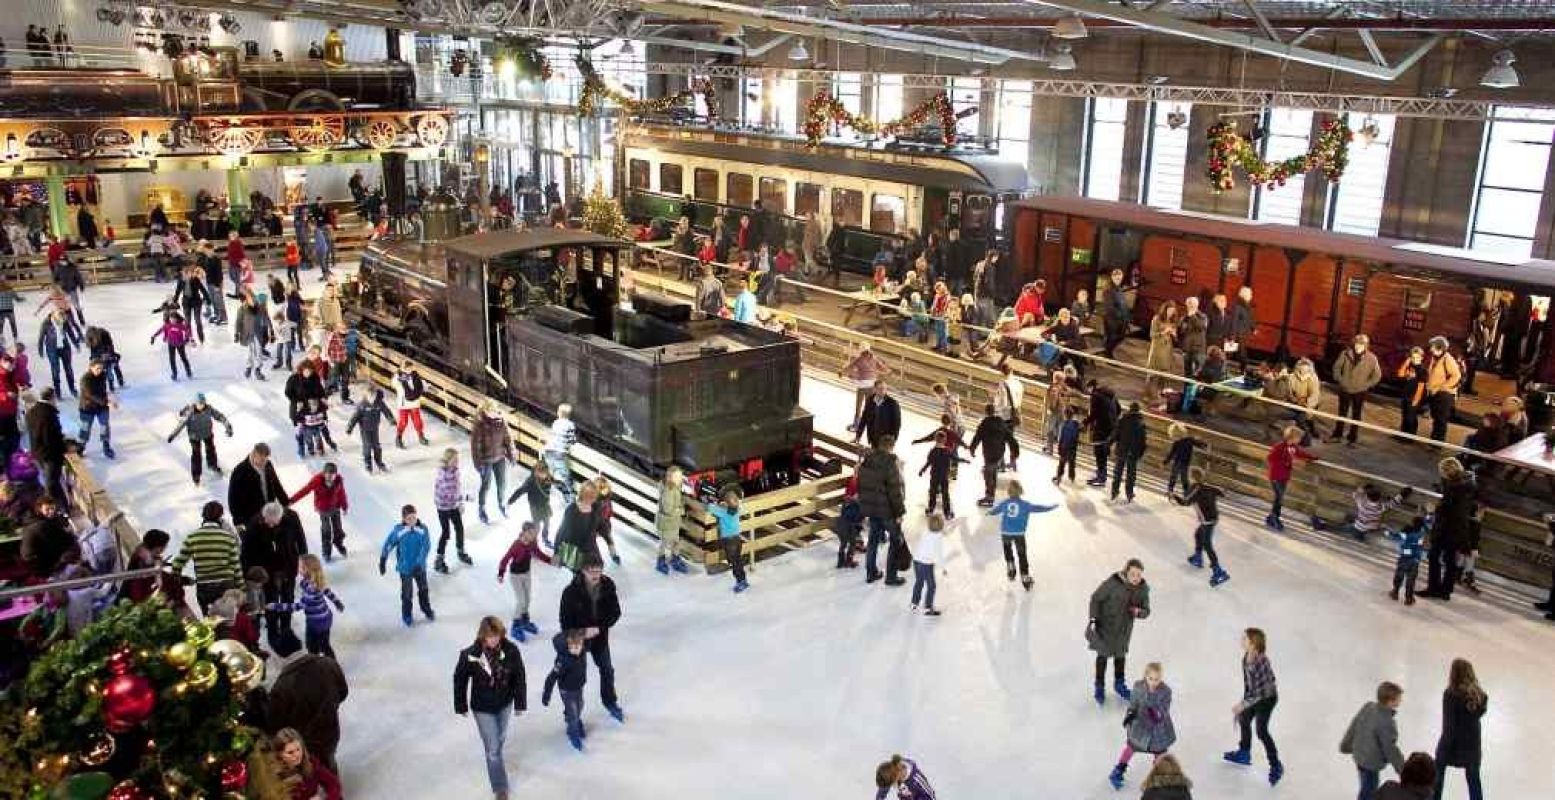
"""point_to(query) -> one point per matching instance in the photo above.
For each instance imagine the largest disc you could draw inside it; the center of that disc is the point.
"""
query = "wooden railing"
(769, 521)
(91, 505)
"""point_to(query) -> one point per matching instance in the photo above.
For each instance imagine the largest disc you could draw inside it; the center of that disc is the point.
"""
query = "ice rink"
(797, 688)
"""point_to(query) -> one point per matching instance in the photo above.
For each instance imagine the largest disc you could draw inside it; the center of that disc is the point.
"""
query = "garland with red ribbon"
(1227, 149)
(595, 89)
(824, 109)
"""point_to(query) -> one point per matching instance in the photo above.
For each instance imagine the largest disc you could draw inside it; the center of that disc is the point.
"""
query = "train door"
(1270, 281)
(1311, 306)
(467, 315)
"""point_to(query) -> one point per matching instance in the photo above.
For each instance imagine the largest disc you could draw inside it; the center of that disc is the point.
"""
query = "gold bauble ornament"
(100, 748)
(245, 670)
(201, 676)
(199, 635)
(180, 655)
(225, 647)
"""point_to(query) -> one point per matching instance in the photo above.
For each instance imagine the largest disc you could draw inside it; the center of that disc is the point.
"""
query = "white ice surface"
(798, 687)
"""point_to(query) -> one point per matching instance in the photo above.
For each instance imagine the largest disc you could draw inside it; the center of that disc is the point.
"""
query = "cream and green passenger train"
(876, 192)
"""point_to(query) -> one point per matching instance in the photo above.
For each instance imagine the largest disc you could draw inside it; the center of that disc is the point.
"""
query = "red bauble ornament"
(121, 661)
(128, 700)
(234, 776)
(128, 790)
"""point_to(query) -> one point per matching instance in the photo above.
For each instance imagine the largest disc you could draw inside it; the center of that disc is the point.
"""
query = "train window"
(886, 213)
(807, 199)
(740, 191)
(774, 195)
(847, 207)
(705, 184)
(637, 174)
(669, 178)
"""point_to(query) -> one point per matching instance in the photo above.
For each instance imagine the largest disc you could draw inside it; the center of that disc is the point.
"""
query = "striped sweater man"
(214, 550)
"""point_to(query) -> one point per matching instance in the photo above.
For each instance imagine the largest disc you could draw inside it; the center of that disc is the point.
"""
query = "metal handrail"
(76, 583)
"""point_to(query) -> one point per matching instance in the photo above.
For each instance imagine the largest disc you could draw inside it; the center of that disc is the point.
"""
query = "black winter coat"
(94, 391)
(882, 418)
(44, 543)
(44, 434)
(248, 491)
(579, 611)
(880, 490)
(307, 698)
(1459, 745)
(1103, 418)
(278, 548)
(300, 389)
(476, 688)
(1129, 439)
(994, 436)
(1454, 514)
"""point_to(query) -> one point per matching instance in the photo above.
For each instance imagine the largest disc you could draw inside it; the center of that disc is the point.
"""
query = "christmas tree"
(603, 215)
(139, 705)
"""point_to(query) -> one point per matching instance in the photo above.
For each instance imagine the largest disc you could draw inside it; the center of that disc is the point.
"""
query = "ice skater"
(448, 498)
(1411, 548)
(1068, 438)
(313, 600)
(489, 680)
(941, 460)
(1370, 506)
(408, 391)
(847, 525)
(727, 512)
(1148, 722)
(175, 334)
(536, 489)
(604, 518)
(331, 503)
(96, 405)
(590, 604)
(313, 433)
(410, 542)
(1282, 461)
(667, 520)
(514, 569)
(1205, 500)
(1014, 514)
(1260, 694)
(1371, 740)
(1117, 603)
(901, 776)
(568, 676)
(1179, 457)
(564, 434)
(199, 420)
(369, 416)
(927, 553)
(994, 436)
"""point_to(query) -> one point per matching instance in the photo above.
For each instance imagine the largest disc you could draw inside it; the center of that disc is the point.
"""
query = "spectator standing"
(1372, 739)
(1192, 337)
(236, 255)
(1166, 781)
(308, 777)
(1449, 528)
(883, 501)
(410, 542)
(1413, 374)
(1441, 385)
(1120, 600)
(864, 369)
(306, 697)
(1463, 707)
(46, 441)
(590, 604)
(1115, 313)
(1102, 420)
(489, 680)
(1356, 371)
(1260, 694)
(1243, 322)
(1128, 447)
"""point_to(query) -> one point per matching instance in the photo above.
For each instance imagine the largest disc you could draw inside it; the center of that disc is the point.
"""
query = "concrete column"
(59, 210)
(1197, 194)
(1057, 137)
(237, 188)
(1136, 136)
(1430, 189)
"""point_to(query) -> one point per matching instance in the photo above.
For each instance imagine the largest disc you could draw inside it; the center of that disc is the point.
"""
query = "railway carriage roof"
(490, 245)
(1481, 266)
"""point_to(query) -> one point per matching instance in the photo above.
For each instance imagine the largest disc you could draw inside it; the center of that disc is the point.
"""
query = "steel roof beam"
(1371, 47)
(1263, 21)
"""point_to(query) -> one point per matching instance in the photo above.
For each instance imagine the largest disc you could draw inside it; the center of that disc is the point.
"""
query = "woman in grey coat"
(1148, 721)
(1120, 599)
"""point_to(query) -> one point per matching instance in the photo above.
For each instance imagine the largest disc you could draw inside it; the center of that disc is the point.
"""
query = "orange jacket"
(293, 255)
(1443, 375)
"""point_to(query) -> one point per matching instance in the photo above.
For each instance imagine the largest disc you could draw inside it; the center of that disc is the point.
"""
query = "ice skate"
(1196, 560)
(616, 712)
(440, 565)
(529, 626)
(464, 558)
(1010, 573)
(1122, 689)
(741, 586)
(663, 566)
(1241, 757)
(1276, 772)
(485, 520)
(576, 741)
(1218, 577)
(679, 565)
(933, 612)
(1116, 778)
(1100, 695)
(1026, 582)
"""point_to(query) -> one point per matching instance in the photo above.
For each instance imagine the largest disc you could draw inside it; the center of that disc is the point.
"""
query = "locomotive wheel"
(235, 141)
(381, 134)
(318, 133)
(432, 130)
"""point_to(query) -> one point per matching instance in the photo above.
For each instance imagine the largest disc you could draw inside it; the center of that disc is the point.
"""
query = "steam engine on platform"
(532, 317)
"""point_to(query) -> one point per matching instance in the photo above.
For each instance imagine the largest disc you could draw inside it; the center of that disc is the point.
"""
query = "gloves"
(169, 440)
(383, 569)
(229, 433)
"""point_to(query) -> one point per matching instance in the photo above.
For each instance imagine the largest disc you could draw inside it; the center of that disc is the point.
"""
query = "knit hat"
(199, 398)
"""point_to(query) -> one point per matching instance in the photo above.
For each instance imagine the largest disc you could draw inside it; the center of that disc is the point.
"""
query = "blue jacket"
(1069, 435)
(1013, 512)
(1411, 546)
(745, 308)
(410, 546)
(728, 521)
(353, 342)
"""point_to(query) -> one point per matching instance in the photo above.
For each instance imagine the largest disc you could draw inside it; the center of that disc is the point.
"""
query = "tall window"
(1287, 133)
(1511, 180)
(785, 104)
(750, 102)
(1355, 203)
(888, 97)
(1014, 119)
(848, 88)
(967, 93)
(1104, 147)
(1166, 154)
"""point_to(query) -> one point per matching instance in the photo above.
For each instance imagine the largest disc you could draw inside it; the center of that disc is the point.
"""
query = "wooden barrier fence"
(770, 521)
(91, 506)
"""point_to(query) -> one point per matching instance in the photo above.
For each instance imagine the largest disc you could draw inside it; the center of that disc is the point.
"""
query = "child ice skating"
(369, 417)
(1179, 457)
(175, 334)
(514, 568)
(536, 489)
(1068, 446)
(927, 553)
(1014, 513)
(847, 525)
(1260, 694)
(199, 420)
(604, 517)
(1370, 506)
(314, 599)
(672, 509)
(727, 512)
(1148, 722)
(448, 497)
(315, 430)
(941, 460)
(568, 677)
(1282, 461)
(1205, 500)
(410, 542)
(1411, 548)
(329, 500)
(901, 778)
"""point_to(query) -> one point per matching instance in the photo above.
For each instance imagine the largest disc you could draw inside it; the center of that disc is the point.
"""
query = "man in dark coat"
(1128, 446)
(274, 540)
(1242, 323)
(882, 499)
(46, 540)
(1449, 529)
(254, 483)
(47, 441)
(1102, 422)
(1114, 312)
(1192, 337)
(1120, 599)
(882, 417)
(994, 436)
(590, 604)
(306, 697)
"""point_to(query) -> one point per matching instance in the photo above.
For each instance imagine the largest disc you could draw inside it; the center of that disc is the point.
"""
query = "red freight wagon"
(1312, 289)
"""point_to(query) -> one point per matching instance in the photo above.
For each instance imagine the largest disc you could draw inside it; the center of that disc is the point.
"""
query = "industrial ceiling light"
(1368, 133)
(1062, 60)
(1071, 27)
(626, 50)
(798, 52)
(1176, 118)
(1501, 75)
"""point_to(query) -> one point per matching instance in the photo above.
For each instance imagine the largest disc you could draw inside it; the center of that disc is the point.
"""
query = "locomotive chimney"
(392, 44)
(440, 217)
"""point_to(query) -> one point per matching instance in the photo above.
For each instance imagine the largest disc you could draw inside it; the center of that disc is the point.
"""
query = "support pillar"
(59, 210)
(237, 192)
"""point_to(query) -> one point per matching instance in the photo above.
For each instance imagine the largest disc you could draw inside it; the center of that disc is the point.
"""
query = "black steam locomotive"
(533, 317)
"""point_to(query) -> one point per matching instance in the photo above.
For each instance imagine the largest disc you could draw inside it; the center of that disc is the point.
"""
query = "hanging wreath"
(824, 110)
(595, 89)
(1228, 149)
(526, 54)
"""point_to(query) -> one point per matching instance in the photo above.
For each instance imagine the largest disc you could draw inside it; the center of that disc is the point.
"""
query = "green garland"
(1228, 149)
(191, 744)
(824, 109)
(595, 90)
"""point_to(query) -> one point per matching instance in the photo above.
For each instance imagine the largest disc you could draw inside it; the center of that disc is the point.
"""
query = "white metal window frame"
(1509, 185)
